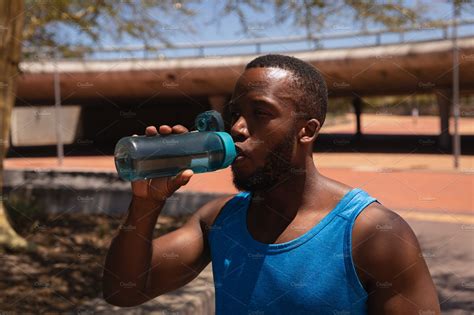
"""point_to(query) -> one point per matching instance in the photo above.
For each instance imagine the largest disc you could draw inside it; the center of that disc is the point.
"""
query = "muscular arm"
(138, 268)
(390, 263)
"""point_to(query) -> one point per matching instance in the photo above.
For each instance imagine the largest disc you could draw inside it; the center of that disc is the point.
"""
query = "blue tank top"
(311, 274)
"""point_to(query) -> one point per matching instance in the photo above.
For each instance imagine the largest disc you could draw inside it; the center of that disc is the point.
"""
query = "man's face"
(263, 126)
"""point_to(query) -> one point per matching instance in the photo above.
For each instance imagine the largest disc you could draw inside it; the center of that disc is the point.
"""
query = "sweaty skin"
(277, 145)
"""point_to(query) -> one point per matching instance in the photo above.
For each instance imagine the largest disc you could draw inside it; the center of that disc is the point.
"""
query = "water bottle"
(205, 150)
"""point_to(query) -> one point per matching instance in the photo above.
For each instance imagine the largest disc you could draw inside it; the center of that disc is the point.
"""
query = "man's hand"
(158, 189)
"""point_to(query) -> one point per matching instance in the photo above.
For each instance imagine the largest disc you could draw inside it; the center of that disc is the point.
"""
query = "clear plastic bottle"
(144, 157)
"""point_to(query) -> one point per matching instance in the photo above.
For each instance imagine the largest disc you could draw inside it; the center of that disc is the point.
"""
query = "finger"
(151, 131)
(179, 129)
(186, 176)
(165, 129)
(181, 179)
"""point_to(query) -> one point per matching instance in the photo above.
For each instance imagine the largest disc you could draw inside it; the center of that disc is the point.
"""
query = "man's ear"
(310, 131)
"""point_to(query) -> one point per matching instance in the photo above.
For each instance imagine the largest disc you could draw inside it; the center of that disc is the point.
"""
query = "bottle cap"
(210, 120)
(229, 148)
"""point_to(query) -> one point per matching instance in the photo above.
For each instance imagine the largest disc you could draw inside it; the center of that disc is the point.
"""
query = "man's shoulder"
(383, 242)
(209, 211)
(377, 228)
(377, 218)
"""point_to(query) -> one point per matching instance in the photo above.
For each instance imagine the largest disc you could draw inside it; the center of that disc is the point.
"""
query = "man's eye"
(234, 114)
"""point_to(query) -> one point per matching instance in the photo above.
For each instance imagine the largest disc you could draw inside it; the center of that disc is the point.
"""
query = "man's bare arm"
(139, 268)
(389, 259)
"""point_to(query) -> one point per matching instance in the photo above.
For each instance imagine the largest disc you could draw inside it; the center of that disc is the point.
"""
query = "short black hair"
(312, 101)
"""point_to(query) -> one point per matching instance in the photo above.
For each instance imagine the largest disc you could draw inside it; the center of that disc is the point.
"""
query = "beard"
(277, 166)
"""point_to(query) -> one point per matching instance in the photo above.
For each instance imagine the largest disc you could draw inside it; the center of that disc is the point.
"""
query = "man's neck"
(290, 195)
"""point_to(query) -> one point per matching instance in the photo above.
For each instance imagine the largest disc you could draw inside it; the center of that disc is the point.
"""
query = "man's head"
(277, 108)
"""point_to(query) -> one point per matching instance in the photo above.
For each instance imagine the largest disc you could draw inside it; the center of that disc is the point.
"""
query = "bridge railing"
(311, 42)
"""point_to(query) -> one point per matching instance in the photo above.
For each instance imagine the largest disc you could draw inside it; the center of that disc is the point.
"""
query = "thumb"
(181, 179)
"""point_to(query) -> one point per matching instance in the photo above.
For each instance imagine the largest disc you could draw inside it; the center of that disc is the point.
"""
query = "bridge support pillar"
(357, 104)
(444, 105)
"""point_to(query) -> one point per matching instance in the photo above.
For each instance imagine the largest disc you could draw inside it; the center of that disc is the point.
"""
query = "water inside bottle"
(160, 166)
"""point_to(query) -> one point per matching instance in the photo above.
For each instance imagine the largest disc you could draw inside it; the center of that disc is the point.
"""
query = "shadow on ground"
(455, 295)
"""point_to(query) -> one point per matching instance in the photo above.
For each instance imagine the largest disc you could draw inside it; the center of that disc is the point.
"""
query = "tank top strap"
(359, 200)
(238, 201)
(358, 203)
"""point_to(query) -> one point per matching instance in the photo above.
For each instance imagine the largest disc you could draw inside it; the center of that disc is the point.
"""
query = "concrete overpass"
(144, 87)
(378, 70)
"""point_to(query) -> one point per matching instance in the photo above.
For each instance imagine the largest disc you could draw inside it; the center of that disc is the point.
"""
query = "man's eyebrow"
(264, 102)
(258, 101)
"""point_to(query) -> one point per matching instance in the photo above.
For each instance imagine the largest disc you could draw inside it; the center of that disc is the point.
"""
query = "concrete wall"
(87, 192)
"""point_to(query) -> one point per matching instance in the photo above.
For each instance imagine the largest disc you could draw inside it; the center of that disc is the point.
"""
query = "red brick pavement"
(444, 191)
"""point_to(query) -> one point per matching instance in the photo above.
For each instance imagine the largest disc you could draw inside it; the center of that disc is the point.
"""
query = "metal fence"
(331, 40)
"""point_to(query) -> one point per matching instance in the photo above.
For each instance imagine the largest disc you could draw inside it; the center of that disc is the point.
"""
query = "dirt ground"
(63, 266)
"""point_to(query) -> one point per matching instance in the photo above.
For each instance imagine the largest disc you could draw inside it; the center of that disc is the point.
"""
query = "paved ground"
(355, 160)
(448, 249)
(392, 124)
(421, 190)
(399, 181)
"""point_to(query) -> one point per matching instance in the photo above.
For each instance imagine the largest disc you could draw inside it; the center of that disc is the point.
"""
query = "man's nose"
(239, 130)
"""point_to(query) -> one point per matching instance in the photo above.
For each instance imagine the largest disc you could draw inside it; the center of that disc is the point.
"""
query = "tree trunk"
(11, 28)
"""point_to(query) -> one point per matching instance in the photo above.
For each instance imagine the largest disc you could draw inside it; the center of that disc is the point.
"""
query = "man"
(293, 240)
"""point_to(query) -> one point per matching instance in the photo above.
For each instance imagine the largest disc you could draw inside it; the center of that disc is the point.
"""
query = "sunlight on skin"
(276, 73)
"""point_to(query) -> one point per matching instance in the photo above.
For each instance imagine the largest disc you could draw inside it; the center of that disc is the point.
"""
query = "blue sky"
(228, 28)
